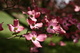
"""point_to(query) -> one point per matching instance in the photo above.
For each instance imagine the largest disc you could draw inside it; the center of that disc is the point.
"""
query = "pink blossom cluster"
(42, 25)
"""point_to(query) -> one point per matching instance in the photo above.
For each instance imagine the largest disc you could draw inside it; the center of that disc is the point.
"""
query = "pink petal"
(29, 12)
(62, 31)
(30, 22)
(33, 49)
(32, 27)
(24, 12)
(33, 19)
(36, 26)
(30, 35)
(11, 28)
(16, 22)
(77, 8)
(75, 40)
(39, 24)
(41, 37)
(20, 28)
(52, 44)
(36, 43)
(50, 30)
(27, 36)
(78, 26)
(61, 43)
(37, 14)
(1, 27)
(34, 34)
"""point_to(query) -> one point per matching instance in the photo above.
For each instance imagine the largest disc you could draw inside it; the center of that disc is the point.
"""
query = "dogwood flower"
(54, 27)
(1, 27)
(61, 43)
(78, 26)
(35, 38)
(75, 40)
(33, 15)
(34, 25)
(15, 28)
(33, 49)
(52, 43)
(77, 8)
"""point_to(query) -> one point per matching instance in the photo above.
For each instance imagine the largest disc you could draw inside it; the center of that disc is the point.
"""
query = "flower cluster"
(42, 25)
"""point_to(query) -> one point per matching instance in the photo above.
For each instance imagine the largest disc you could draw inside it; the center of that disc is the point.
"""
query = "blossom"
(78, 26)
(52, 44)
(65, 24)
(72, 21)
(1, 27)
(54, 27)
(35, 39)
(33, 15)
(77, 8)
(15, 28)
(33, 49)
(61, 43)
(75, 40)
(34, 25)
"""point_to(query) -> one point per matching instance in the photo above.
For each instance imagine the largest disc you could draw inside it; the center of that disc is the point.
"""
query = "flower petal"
(20, 28)
(61, 43)
(38, 25)
(36, 43)
(29, 12)
(1, 27)
(11, 28)
(27, 36)
(41, 37)
(33, 49)
(30, 22)
(16, 22)
(34, 34)
(33, 19)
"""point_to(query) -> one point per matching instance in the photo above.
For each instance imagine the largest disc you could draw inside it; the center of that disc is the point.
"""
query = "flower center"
(33, 25)
(51, 27)
(15, 28)
(64, 23)
(31, 15)
(33, 38)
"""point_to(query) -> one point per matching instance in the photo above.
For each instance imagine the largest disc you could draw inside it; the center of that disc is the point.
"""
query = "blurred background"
(12, 9)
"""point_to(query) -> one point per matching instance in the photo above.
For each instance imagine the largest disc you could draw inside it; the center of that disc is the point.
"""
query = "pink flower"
(1, 27)
(33, 49)
(54, 27)
(52, 44)
(61, 43)
(78, 26)
(65, 24)
(30, 22)
(77, 8)
(75, 40)
(33, 15)
(35, 39)
(72, 21)
(34, 25)
(15, 28)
